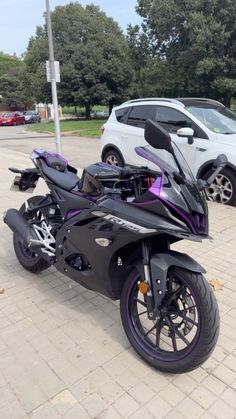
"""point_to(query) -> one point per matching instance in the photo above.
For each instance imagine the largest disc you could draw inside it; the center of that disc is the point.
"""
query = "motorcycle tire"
(27, 258)
(186, 332)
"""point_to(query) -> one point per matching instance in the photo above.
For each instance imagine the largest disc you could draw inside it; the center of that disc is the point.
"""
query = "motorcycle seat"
(65, 179)
(56, 163)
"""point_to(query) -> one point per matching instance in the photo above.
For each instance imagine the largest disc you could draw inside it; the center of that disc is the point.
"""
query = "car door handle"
(200, 149)
(124, 137)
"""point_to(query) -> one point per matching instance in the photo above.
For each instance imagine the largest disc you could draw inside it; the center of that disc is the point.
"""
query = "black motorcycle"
(112, 231)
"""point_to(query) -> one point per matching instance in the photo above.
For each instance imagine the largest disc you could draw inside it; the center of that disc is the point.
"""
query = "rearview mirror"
(186, 132)
(157, 136)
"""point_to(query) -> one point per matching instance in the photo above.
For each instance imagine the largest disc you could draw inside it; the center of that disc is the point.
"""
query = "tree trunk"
(110, 106)
(87, 111)
(227, 99)
(75, 110)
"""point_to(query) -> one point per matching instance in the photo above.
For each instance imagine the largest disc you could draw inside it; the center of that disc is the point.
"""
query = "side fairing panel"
(103, 270)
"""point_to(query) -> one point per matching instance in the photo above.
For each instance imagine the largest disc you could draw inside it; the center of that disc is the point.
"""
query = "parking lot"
(63, 352)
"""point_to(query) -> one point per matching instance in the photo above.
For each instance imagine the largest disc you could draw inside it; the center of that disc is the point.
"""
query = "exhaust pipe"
(19, 225)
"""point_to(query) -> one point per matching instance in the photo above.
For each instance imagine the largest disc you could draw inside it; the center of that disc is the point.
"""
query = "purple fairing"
(38, 152)
(83, 195)
(72, 213)
(56, 155)
(157, 186)
(145, 154)
(181, 214)
(156, 189)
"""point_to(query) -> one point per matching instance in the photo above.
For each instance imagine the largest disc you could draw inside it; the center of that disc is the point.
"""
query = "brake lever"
(202, 184)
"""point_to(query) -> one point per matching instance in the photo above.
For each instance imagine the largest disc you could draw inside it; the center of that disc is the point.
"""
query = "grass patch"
(88, 133)
(83, 128)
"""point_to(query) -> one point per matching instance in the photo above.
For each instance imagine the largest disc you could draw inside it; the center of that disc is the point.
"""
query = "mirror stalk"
(181, 173)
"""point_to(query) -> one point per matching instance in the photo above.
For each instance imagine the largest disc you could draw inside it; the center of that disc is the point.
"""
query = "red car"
(12, 118)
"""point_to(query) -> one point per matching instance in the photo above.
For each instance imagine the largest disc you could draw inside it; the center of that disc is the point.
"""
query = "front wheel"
(186, 331)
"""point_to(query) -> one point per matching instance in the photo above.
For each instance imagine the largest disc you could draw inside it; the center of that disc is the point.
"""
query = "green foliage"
(191, 47)
(13, 82)
(93, 55)
(8, 63)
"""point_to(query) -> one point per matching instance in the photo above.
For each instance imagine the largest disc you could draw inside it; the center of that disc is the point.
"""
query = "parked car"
(214, 132)
(32, 117)
(100, 114)
(12, 118)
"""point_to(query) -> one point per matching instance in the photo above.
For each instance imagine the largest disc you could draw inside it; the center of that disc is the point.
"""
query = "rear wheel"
(223, 189)
(186, 331)
(114, 158)
(28, 258)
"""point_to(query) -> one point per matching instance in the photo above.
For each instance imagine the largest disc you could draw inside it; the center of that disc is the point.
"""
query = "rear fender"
(27, 179)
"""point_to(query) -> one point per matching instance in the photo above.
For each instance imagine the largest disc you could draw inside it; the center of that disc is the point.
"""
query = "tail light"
(102, 129)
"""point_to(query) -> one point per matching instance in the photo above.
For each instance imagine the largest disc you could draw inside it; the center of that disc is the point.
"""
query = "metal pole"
(53, 79)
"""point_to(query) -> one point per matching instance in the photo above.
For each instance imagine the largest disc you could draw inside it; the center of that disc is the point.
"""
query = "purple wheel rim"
(160, 354)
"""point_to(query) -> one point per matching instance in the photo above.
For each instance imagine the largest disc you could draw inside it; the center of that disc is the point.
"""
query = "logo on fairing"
(127, 224)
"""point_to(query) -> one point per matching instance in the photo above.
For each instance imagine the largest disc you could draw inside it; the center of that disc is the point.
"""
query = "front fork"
(156, 287)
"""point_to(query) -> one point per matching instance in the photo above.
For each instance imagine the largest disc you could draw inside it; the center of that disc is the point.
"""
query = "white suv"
(214, 128)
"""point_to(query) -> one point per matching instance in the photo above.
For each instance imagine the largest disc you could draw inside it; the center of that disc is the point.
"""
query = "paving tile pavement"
(63, 353)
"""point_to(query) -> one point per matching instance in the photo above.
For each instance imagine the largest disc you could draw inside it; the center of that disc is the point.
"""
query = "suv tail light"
(102, 129)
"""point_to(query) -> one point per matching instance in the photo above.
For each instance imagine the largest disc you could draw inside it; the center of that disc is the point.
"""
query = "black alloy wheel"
(186, 331)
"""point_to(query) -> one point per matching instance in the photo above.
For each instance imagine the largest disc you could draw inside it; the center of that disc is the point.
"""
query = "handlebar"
(105, 175)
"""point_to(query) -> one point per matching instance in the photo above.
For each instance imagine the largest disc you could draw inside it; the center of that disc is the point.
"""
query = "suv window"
(121, 115)
(138, 115)
(171, 119)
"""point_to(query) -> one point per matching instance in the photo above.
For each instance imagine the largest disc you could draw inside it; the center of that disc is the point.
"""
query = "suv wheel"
(114, 158)
(223, 189)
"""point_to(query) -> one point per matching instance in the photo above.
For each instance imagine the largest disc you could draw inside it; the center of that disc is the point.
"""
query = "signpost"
(57, 71)
(53, 76)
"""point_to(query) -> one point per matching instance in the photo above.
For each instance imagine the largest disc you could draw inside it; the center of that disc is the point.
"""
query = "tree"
(93, 55)
(193, 45)
(13, 82)
(140, 56)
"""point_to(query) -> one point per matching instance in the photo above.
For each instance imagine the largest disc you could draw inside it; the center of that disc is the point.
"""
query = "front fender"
(160, 263)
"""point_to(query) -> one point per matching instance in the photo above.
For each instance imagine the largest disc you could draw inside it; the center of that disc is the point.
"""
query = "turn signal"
(143, 287)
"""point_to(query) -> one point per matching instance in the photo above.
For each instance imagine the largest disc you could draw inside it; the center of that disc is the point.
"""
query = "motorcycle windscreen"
(184, 195)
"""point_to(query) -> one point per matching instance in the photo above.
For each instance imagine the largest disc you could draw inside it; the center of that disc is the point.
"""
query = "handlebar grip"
(126, 172)
(104, 176)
